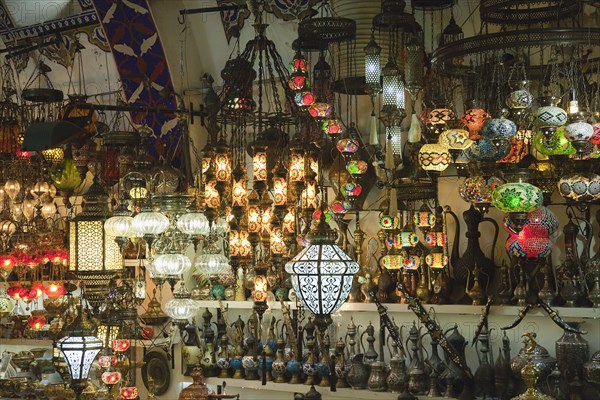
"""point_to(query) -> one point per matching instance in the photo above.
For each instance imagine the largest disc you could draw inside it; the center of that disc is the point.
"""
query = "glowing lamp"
(356, 167)
(299, 63)
(239, 245)
(54, 155)
(530, 248)
(239, 190)
(79, 349)
(120, 345)
(436, 239)
(320, 110)
(111, 377)
(259, 164)
(440, 116)
(304, 99)
(580, 187)
(261, 285)
(424, 218)
(411, 262)
(436, 260)
(296, 165)
(39, 288)
(55, 289)
(211, 261)
(8, 261)
(280, 185)
(348, 146)
(193, 224)
(289, 221)
(478, 190)
(434, 157)
(308, 199)
(276, 242)
(332, 127)
(129, 392)
(171, 264)
(107, 361)
(392, 261)
(517, 199)
(298, 81)
(373, 65)
(181, 307)
(474, 118)
(36, 322)
(455, 139)
(390, 84)
(212, 199)
(321, 272)
(17, 292)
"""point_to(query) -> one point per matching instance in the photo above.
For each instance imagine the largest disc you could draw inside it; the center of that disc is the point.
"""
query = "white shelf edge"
(300, 388)
(443, 309)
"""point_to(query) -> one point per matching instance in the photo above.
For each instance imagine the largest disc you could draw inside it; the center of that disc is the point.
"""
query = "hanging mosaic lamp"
(579, 131)
(517, 199)
(434, 157)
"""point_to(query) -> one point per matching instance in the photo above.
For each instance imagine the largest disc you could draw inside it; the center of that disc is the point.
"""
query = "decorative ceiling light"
(373, 66)
(434, 157)
(181, 308)
(212, 261)
(517, 199)
(322, 273)
(79, 349)
(120, 225)
(549, 116)
(579, 131)
(474, 118)
(171, 264)
(148, 223)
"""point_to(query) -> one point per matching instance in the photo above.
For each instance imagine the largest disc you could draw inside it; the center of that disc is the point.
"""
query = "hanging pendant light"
(322, 273)
(79, 349)
(373, 66)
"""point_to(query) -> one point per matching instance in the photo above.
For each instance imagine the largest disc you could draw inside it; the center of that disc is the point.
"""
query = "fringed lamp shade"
(322, 273)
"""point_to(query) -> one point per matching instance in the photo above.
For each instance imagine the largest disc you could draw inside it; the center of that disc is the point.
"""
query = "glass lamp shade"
(402, 240)
(455, 139)
(478, 189)
(580, 187)
(517, 197)
(36, 322)
(333, 127)
(520, 98)
(531, 248)
(296, 167)
(557, 144)
(79, 350)
(276, 242)
(340, 207)
(436, 239)
(119, 226)
(373, 64)
(474, 118)
(304, 99)
(540, 223)
(120, 345)
(499, 128)
(298, 81)
(193, 223)
(280, 190)
(128, 392)
(400, 95)
(357, 167)
(436, 260)
(261, 285)
(91, 249)
(222, 167)
(211, 263)
(322, 276)
(239, 192)
(309, 196)
(171, 264)
(212, 198)
(579, 130)
(181, 309)
(259, 165)
(111, 377)
(390, 84)
(107, 333)
(351, 190)
(549, 114)
(289, 221)
(254, 218)
(320, 110)
(595, 139)
(424, 218)
(150, 223)
(440, 116)
(392, 261)
(299, 63)
(394, 132)
(486, 150)
(411, 262)
(239, 245)
(434, 157)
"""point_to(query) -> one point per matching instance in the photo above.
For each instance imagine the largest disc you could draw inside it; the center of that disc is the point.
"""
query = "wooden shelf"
(340, 394)
(448, 309)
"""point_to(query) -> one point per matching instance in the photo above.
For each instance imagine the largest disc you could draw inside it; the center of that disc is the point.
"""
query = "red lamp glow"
(55, 289)
(36, 322)
(129, 392)
(120, 345)
(111, 377)
(107, 361)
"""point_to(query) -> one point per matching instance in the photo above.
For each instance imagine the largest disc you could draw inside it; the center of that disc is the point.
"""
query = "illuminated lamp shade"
(298, 81)
(120, 345)
(434, 157)
(595, 139)
(239, 190)
(436, 260)
(119, 226)
(212, 199)
(579, 132)
(280, 190)
(333, 127)
(540, 223)
(172, 264)
(317, 215)
(357, 167)
(517, 199)
(340, 207)
(239, 245)
(55, 289)
(440, 116)
(39, 288)
(347, 146)
(223, 164)
(309, 196)
(411, 262)
(149, 223)
(373, 64)
(320, 110)
(392, 261)
(193, 223)
(129, 392)
(388, 222)
(499, 128)
(259, 164)
(36, 322)
(455, 139)
(486, 150)
(474, 118)
(110, 377)
(299, 63)
(107, 333)
(260, 291)
(54, 155)
(181, 307)
(289, 221)
(531, 248)
(351, 190)
(211, 261)
(581, 187)
(276, 242)
(79, 349)
(8, 261)
(557, 144)
(390, 84)
(107, 361)
(520, 98)
(321, 272)
(254, 218)
(304, 99)
(478, 190)
(296, 166)
(549, 114)
(424, 218)
(402, 239)
(436, 239)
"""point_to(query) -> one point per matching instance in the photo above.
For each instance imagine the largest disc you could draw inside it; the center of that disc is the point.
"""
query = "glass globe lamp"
(181, 307)
(373, 65)
(193, 224)
(517, 199)
(211, 261)
(434, 157)
(171, 264)
(322, 273)
(579, 131)
(149, 223)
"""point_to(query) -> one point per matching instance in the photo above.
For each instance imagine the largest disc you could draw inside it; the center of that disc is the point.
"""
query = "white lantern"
(322, 273)
(150, 223)
(171, 264)
(181, 308)
(193, 223)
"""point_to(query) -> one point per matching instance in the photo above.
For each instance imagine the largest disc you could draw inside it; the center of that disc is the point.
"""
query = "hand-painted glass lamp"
(579, 131)
(549, 116)
(517, 199)
(434, 157)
